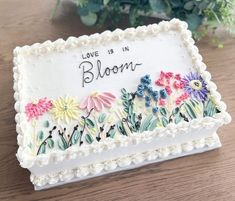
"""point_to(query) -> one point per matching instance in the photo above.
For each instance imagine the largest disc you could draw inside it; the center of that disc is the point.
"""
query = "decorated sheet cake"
(117, 100)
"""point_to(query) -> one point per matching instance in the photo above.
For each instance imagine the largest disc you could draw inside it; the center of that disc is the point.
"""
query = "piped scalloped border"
(110, 165)
(27, 161)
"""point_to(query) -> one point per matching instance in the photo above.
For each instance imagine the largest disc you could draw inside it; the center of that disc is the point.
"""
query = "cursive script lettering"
(92, 71)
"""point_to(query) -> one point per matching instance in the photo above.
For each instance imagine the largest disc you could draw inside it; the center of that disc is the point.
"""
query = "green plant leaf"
(94, 7)
(50, 143)
(101, 118)
(82, 11)
(46, 124)
(62, 143)
(209, 108)
(105, 2)
(90, 123)
(152, 125)
(112, 133)
(158, 5)
(42, 149)
(75, 137)
(163, 111)
(40, 135)
(89, 139)
(177, 119)
(121, 128)
(175, 110)
(193, 21)
(189, 5)
(133, 14)
(190, 111)
(164, 121)
(89, 19)
(146, 122)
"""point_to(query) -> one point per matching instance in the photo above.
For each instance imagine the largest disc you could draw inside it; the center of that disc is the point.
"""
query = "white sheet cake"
(117, 100)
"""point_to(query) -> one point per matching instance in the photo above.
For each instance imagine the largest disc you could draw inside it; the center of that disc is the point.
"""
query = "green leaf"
(146, 122)
(112, 133)
(82, 11)
(121, 128)
(164, 121)
(190, 111)
(133, 15)
(163, 111)
(189, 5)
(101, 118)
(50, 143)
(40, 135)
(123, 90)
(175, 110)
(158, 5)
(90, 123)
(46, 124)
(209, 108)
(89, 19)
(62, 143)
(75, 137)
(42, 149)
(30, 145)
(152, 125)
(89, 139)
(177, 119)
(105, 2)
(94, 7)
(193, 21)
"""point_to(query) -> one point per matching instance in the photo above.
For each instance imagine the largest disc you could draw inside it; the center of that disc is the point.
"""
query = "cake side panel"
(134, 161)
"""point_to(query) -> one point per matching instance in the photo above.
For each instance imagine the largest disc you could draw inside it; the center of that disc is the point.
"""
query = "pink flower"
(181, 98)
(98, 101)
(168, 90)
(34, 110)
(178, 84)
(162, 102)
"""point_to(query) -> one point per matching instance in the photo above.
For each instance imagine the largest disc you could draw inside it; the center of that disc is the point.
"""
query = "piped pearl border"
(110, 165)
(59, 45)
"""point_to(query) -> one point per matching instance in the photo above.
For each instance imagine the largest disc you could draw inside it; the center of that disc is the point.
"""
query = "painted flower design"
(37, 108)
(195, 86)
(65, 109)
(98, 101)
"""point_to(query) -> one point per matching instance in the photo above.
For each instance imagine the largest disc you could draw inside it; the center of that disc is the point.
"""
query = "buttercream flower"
(195, 86)
(65, 109)
(37, 108)
(98, 101)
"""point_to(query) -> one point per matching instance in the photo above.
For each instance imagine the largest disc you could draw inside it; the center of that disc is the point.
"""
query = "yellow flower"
(65, 109)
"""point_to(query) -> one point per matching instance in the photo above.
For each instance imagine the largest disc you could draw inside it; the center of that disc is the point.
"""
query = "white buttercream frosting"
(27, 161)
(109, 165)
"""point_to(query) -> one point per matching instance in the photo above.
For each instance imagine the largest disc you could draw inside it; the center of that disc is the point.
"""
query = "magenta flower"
(36, 109)
(98, 101)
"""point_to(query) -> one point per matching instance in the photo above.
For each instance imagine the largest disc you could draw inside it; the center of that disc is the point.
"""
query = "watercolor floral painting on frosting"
(169, 98)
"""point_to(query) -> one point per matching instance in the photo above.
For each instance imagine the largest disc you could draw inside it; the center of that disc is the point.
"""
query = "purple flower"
(195, 86)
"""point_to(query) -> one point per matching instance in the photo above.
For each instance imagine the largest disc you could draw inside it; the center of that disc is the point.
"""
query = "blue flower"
(140, 87)
(155, 95)
(155, 109)
(163, 93)
(140, 93)
(150, 90)
(147, 104)
(145, 80)
(147, 98)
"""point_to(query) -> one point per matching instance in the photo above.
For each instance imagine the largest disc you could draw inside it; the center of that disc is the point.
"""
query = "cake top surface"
(110, 89)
